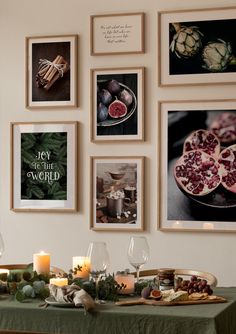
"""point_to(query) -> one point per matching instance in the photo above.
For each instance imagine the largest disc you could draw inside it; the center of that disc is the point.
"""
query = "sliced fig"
(227, 161)
(197, 173)
(203, 140)
(117, 109)
(102, 112)
(224, 127)
(125, 97)
(155, 294)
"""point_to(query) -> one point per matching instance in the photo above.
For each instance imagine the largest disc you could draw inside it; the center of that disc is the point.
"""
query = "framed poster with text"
(44, 166)
(117, 34)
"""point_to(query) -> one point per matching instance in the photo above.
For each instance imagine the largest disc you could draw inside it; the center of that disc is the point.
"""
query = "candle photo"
(41, 263)
(84, 263)
(128, 280)
(59, 281)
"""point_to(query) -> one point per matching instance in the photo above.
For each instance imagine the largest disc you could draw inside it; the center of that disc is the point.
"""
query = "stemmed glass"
(138, 253)
(99, 262)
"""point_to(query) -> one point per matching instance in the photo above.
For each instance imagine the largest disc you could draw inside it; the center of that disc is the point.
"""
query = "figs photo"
(116, 102)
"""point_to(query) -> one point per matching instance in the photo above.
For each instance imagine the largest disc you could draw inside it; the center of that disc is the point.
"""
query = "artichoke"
(217, 56)
(186, 42)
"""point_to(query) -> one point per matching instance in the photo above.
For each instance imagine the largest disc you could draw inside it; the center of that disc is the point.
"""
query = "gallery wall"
(64, 235)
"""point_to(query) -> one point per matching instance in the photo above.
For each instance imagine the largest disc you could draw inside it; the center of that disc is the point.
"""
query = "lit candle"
(58, 281)
(84, 263)
(4, 271)
(128, 280)
(3, 274)
(41, 263)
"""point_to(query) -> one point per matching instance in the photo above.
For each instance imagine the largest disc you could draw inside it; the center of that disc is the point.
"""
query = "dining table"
(31, 316)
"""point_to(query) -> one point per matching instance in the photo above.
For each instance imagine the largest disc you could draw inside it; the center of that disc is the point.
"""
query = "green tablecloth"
(111, 319)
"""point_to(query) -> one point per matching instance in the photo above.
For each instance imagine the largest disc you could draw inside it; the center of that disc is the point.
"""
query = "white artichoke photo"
(217, 56)
(186, 41)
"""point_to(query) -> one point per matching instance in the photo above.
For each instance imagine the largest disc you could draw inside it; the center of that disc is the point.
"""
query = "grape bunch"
(195, 284)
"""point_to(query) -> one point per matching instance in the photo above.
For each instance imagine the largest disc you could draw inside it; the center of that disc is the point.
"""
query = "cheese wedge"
(177, 296)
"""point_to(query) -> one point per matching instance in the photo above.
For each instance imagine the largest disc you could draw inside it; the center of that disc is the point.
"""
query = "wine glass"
(99, 262)
(138, 253)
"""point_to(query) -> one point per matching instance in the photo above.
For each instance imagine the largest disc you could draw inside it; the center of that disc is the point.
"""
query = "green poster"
(44, 166)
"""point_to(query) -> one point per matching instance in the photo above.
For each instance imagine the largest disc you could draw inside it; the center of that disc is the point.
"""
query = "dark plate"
(219, 198)
(131, 109)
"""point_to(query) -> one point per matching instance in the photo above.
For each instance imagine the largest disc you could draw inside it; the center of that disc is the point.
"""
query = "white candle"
(58, 281)
(128, 280)
(84, 263)
(4, 271)
(3, 274)
(41, 263)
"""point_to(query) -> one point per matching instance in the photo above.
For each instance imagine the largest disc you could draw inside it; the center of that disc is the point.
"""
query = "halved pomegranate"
(224, 127)
(227, 161)
(197, 173)
(203, 140)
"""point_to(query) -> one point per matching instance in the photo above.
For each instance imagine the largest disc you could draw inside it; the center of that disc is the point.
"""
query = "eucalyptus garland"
(29, 284)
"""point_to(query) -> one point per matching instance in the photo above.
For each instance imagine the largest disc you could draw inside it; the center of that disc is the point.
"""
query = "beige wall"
(65, 235)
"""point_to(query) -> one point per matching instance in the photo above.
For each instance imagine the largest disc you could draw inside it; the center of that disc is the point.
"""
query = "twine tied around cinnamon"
(50, 71)
(43, 63)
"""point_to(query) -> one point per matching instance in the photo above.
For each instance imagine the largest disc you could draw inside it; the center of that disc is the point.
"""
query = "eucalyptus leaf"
(20, 296)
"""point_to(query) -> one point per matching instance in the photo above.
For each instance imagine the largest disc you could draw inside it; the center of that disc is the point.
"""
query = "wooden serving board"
(143, 301)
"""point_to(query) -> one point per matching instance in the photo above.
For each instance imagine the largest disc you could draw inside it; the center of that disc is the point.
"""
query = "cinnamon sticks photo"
(50, 71)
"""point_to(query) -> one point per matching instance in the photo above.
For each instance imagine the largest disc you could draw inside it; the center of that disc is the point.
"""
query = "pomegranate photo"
(203, 140)
(227, 161)
(224, 127)
(197, 173)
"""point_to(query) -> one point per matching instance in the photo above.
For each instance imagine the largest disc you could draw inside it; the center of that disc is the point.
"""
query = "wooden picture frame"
(117, 104)
(117, 193)
(51, 71)
(44, 166)
(180, 210)
(113, 34)
(197, 47)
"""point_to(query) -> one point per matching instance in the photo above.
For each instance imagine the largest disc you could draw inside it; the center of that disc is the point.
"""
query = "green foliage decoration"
(28, 284)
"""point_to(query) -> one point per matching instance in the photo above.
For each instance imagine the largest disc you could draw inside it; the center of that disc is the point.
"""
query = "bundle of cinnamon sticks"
(50, 71)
